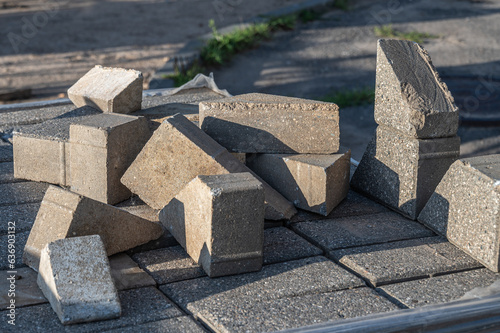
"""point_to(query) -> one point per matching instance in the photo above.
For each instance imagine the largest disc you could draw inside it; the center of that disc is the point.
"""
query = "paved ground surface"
(359, 260)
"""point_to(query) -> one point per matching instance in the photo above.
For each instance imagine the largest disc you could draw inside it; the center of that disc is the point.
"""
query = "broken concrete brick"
(409, 95)
(107, 89)
(66, 214)
(179, 151)
(76, 278)
(402, 172)
(465, 208)
(41, 151)
(102, 147)
(219, 220)
(261, 123)
(316, 183)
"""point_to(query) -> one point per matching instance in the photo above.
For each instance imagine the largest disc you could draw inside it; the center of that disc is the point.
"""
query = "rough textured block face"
(219, 220)
(76, 279)
(66, 214)
(108, 89)
(316, 183)
(179, 151)
(465, 207)
(402, 172)
(260, 123)
(410, 96)
(101, 148)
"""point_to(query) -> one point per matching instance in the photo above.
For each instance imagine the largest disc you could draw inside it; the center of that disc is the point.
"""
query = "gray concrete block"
(404, 260)
(168, 265)
(126, 274)
(261, 123)
(316, 183)
(179, 151)
(75, 277)
(410, 96)
(464, 208)
(102, 147)
(219, 221)
(25, 288)
(299, 277)
(13, 260)
(439, 289)
(41, 151)
(21, 217)
(282, 244)
(139, 306)
(247, 314)
(66, 214)
(402, 172)
(108, 89)
(173, 325)
(345, 232)
(21, 193)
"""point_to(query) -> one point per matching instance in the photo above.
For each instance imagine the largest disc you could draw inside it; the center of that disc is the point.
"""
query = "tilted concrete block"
(76, 278)
(102, 147)
(402, 172)
(465, 207)
(109, 90)
(316, 183)
(409, 95)
(66, 214)
(41, 152)
(261, 123)
(179, 151)
(219, 220)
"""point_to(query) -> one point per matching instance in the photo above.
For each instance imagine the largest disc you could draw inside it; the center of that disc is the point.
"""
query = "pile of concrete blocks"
(415, 142)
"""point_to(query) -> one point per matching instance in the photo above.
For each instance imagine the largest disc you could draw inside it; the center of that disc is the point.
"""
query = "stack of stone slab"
(415, 142)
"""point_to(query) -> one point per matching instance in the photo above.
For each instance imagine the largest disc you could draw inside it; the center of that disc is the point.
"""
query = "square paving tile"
(352, 231)
(282, 244)
(404, 260)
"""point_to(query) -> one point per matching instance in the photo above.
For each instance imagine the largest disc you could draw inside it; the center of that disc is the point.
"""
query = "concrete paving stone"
(168, 265)
(179, 151)
(6, 153)
(136, 206)
(139, 306)
(41, 151)
(188, 96)
(21, 193)
(102, 147)
(66, 214)
(109, 89)
(410, 95)
(262, 123)
(219, 221)
(74, 275)
(402, 172)
(354, 204)
(26, 292)
(20, 241)
(353, 231)
(282, 244)
(404, 260)
(20, 216)
(173, 325)
(464, 208)
(292, 278)
(316, 183)
(439, 289)
(248, 314)
(7, 173)
(126, 274)
(29, 116)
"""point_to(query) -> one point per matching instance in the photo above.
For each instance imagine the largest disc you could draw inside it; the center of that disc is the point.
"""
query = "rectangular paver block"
(102, 147)
(75, 277)
(465, 208)
(402, 172)
(179, 151)
(109, 90)
(219, 220)
(316, 183)
(66, 214)
(410, 96)
(261, 123)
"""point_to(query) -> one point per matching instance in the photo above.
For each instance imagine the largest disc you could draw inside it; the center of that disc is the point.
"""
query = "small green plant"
(308, 15)
(286, 22)
(387, 31)
(355, 97)
(341, 4)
